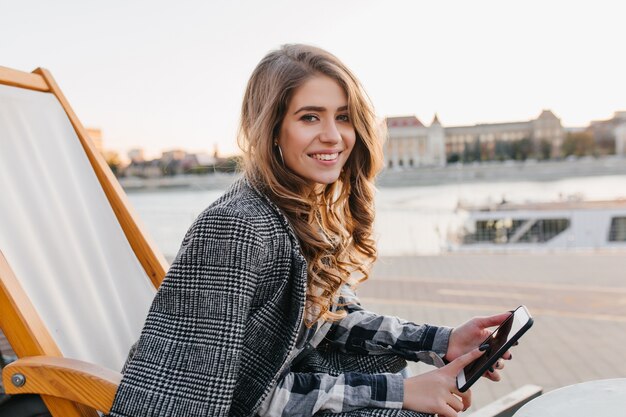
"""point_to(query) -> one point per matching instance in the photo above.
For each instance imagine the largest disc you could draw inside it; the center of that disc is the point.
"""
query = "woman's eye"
(343, 118)
(309, 118)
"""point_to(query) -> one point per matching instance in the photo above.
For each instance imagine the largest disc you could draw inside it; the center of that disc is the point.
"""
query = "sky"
(163, 75)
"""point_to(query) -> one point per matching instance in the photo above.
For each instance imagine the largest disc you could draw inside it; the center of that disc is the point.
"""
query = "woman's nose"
(331, 133)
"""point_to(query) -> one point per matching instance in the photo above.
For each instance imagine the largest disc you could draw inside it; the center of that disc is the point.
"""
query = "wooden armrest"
(74, 380)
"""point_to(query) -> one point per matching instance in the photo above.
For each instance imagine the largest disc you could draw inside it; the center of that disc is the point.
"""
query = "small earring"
(280, 152)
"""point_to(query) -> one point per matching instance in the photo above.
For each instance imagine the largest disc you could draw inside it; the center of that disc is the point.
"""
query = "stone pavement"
(578, 301)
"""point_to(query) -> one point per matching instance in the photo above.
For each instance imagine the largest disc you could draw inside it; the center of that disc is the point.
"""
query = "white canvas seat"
(60, 235)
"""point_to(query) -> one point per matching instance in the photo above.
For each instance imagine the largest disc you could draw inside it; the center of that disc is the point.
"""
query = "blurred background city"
(505, 157)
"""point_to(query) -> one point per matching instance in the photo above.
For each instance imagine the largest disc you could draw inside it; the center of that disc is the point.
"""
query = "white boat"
(549, 226)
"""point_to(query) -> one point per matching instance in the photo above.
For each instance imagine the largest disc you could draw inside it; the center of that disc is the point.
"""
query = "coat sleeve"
(364, 332)
(188, 355)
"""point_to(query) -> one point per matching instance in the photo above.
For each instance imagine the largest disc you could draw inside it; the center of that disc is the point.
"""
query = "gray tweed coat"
(221, 326)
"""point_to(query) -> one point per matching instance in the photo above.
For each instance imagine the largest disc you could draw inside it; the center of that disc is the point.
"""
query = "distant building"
(205, 159)
(136, 155)
(143, 169)
(173, 155)
(411, 144)
(608, 134)
(545, 130)
(172, 162)
(140, 167)
(201, 162)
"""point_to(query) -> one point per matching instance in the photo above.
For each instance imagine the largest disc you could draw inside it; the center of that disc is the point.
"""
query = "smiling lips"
(325, 156)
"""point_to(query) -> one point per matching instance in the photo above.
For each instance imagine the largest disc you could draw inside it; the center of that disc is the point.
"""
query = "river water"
(417, 220)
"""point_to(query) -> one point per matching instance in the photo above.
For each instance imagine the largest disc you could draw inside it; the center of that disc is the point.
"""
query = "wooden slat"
(16, 78)
(60, 407)
(146, 251)
(70, 379)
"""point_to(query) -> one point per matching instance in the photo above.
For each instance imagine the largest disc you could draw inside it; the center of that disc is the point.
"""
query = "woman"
(257, 314)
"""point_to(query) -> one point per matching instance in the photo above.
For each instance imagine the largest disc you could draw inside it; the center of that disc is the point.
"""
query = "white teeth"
(325, 156)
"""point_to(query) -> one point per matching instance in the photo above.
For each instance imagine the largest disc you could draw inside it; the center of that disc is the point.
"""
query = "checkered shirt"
(361, 332)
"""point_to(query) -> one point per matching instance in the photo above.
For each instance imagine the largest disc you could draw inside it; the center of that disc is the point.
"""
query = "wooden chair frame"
(69, 388)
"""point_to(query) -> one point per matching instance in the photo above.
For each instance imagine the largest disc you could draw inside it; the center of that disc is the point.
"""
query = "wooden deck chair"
(77, 272)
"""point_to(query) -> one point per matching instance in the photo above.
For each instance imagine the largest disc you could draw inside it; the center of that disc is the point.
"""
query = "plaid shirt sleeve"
(368, 333)
(362, 332)
(304, 394)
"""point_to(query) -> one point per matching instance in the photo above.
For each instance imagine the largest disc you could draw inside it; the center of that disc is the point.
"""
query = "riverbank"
(492, 171)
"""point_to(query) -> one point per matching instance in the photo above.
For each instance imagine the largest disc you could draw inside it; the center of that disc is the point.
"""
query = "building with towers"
(412, 144)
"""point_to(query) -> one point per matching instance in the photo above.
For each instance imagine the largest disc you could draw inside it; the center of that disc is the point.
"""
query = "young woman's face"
(316, 135)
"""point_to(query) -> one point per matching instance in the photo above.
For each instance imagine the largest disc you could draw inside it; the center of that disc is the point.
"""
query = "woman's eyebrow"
(318, 109)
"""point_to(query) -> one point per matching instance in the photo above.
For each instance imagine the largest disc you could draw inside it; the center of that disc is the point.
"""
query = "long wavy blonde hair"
(333, 223)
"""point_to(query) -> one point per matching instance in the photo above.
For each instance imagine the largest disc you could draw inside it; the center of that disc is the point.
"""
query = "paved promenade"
(578, 302)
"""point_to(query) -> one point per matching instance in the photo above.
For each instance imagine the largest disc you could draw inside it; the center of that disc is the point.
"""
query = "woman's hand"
(471, 334)
(436, 392)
